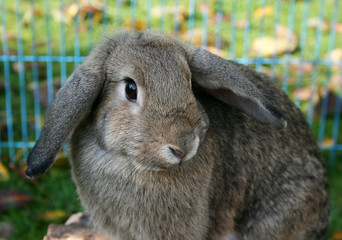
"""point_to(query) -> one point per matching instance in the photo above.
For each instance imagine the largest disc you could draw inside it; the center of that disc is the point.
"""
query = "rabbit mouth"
(167, 157)
(176, 156)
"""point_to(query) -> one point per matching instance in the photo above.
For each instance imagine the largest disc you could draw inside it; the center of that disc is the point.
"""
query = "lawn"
(61, 32)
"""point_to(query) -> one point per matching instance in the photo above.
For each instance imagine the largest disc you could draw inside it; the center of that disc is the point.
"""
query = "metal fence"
(298, 43)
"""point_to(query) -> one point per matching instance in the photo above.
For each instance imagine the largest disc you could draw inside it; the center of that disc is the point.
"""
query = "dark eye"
(131, 89)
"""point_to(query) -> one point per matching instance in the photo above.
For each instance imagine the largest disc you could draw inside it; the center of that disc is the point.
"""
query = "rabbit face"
(152, 111)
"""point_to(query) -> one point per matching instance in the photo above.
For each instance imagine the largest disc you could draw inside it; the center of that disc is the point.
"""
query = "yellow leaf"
(52, 215)
(4, 175)
(303, 68)
(59, 16)
(62, 161)
(268, 46)
(139, 25)
(38, 13)
(195, 37)
(335, 84)
(316, 23)
(216, 51)
(180, 10)
(72, 10)
(338, 28)
(97, 17)
(263, 12)
(337, 236)
(326, 143)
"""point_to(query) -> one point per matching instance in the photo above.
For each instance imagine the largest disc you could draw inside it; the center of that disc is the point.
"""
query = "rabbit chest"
(142, 204)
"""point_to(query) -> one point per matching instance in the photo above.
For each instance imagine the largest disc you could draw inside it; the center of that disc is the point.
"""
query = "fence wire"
(42, 41)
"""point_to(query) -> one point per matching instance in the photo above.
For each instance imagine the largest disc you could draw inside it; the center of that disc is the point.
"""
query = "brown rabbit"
(172, 142)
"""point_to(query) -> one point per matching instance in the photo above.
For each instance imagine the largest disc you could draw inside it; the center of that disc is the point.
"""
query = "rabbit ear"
(70, 105)
(229, 82)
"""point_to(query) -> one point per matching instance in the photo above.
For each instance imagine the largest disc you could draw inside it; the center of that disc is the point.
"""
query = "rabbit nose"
(180, 155)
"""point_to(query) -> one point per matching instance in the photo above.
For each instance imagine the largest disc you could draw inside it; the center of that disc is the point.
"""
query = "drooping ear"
(229, 82)
(70, 105)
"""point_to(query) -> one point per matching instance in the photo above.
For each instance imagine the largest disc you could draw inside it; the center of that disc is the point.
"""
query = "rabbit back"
(267, 183)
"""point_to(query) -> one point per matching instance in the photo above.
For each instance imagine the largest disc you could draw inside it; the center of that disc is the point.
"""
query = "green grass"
(56, 191)
(335, 185)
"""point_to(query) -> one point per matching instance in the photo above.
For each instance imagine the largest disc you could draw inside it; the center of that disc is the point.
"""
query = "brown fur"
(250, 178)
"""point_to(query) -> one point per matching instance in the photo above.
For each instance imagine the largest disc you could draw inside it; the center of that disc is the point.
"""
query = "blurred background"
(298, 43)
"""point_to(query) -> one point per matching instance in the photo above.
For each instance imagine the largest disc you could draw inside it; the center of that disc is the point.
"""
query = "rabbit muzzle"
(177, 156)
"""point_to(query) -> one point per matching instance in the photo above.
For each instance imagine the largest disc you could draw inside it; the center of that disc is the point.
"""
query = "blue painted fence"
(43, 40)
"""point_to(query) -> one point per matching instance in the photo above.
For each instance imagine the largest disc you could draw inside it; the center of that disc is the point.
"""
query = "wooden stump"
(77, 227)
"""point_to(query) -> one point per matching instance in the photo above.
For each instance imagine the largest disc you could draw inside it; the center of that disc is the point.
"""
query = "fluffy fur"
(251, 167)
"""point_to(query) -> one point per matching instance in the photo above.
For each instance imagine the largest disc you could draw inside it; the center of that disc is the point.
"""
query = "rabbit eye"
(131, 89)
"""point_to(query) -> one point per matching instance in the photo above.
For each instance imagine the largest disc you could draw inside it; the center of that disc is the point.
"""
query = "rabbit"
(169, 141)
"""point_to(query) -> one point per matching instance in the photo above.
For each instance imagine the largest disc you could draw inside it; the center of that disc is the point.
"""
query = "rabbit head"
(148, 108)
(139, 90)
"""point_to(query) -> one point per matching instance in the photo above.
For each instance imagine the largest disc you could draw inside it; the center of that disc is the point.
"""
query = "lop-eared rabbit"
(170, 141)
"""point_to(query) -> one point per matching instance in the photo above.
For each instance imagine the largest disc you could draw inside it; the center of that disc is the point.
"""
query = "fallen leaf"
(12, 198)
(337, 236)
(302, 68)
(18, 155)
(284, 32)
(216, 51)
(31, 120)
(302, 93)
(203, 7)
(2, 84)
(38, 13)
(17, 67)
(327, 142)
(158, 11)
(241, 24)
(11, 37)
(335, 84)
(11, 52)
(195, 36)
(263, 12)
(96, 11)
(88, 8)
(316, 22)
(269, 46)
(6, 230)
(3, 127)
(137, 25)
(96, 3)
(305, 93)
(43, 90)
(20, 170)
(60, 17)
(331, 106)
(97, 17)
(338, 28)
(62, 161)
(52, 215)
(28, 66)
(181, 10)
(4, 174)
(72, 10)
(225, 17)
(3, 130)
(335, 55)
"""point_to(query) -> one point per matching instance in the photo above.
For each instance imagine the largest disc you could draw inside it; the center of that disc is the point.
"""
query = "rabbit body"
(243, 175)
